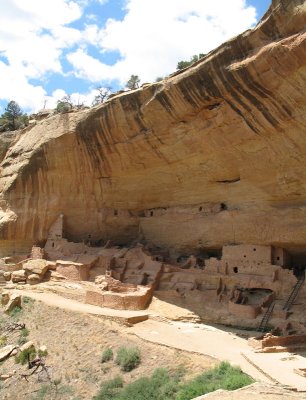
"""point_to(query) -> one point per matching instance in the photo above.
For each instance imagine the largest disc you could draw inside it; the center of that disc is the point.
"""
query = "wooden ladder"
(294, 293)
(265, 319)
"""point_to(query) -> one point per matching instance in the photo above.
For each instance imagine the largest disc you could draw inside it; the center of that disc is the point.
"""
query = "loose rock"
(14, 301)
(38, 267)
(18, 276)
(6, 351)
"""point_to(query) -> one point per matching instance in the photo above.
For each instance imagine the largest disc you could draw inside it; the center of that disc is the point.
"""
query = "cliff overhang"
(213, 155)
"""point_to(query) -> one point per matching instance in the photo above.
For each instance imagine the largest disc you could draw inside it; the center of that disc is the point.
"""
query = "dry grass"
(75, 343)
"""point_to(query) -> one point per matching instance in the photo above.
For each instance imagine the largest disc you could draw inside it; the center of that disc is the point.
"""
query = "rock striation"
(213, 155)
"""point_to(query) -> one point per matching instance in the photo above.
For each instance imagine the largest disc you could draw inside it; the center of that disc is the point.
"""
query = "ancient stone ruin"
(249, 285)
(191, 189)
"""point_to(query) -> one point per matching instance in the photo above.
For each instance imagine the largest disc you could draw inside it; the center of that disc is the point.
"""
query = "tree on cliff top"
(184, 64)
(65, 104)
(133, 82)
(102, 95)
(12, 118)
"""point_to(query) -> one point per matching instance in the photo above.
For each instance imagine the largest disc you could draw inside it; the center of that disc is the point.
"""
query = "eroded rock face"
(211, 156)
(6, 140)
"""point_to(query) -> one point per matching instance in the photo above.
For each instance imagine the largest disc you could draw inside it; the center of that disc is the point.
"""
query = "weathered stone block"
(38, 267)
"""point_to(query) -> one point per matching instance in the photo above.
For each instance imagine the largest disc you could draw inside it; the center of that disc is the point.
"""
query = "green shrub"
(28, 300)
(224, 376)
(157, 387)
(107, 355)
(164, 385)
(128, 358)
(110, 389)
(22, 340)
(15, 312)
(24, 332)
(25, 355)
(63, 107)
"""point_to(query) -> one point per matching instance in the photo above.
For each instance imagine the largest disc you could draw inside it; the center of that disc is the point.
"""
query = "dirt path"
(224, 346)
(198, 338)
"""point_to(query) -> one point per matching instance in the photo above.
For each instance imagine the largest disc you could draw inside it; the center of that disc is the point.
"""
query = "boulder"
(5, 297)
(10, 286)
(27, 346)
(6, 351)
(7, 276)
(18, 276)
(43, 349)
(4, 377)
(33, 279)
(2, 279)
(14, 301)
(11, 267)
(38, 267)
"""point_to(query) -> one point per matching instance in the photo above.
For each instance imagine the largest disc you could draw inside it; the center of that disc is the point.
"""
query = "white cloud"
(33, 32)
(90, 68)
(15, 86)
(91, 17)
(155, 34)
(32, 37)
(77, 98)
(91, 34)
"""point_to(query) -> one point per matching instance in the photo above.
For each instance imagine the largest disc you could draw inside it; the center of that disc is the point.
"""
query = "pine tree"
(12, 114)
(13, 118)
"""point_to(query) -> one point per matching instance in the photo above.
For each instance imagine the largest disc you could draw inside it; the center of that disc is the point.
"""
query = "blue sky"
(260, 5)
(51, 48)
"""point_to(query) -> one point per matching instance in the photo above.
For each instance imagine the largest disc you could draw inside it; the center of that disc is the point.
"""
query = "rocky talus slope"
(212, 155)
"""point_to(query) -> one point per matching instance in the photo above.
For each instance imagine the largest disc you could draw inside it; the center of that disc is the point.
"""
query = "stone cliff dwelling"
(247, 285)
(189, 191)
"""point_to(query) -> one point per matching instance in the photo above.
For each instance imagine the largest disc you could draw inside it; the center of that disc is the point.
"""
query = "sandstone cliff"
(212, 155)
